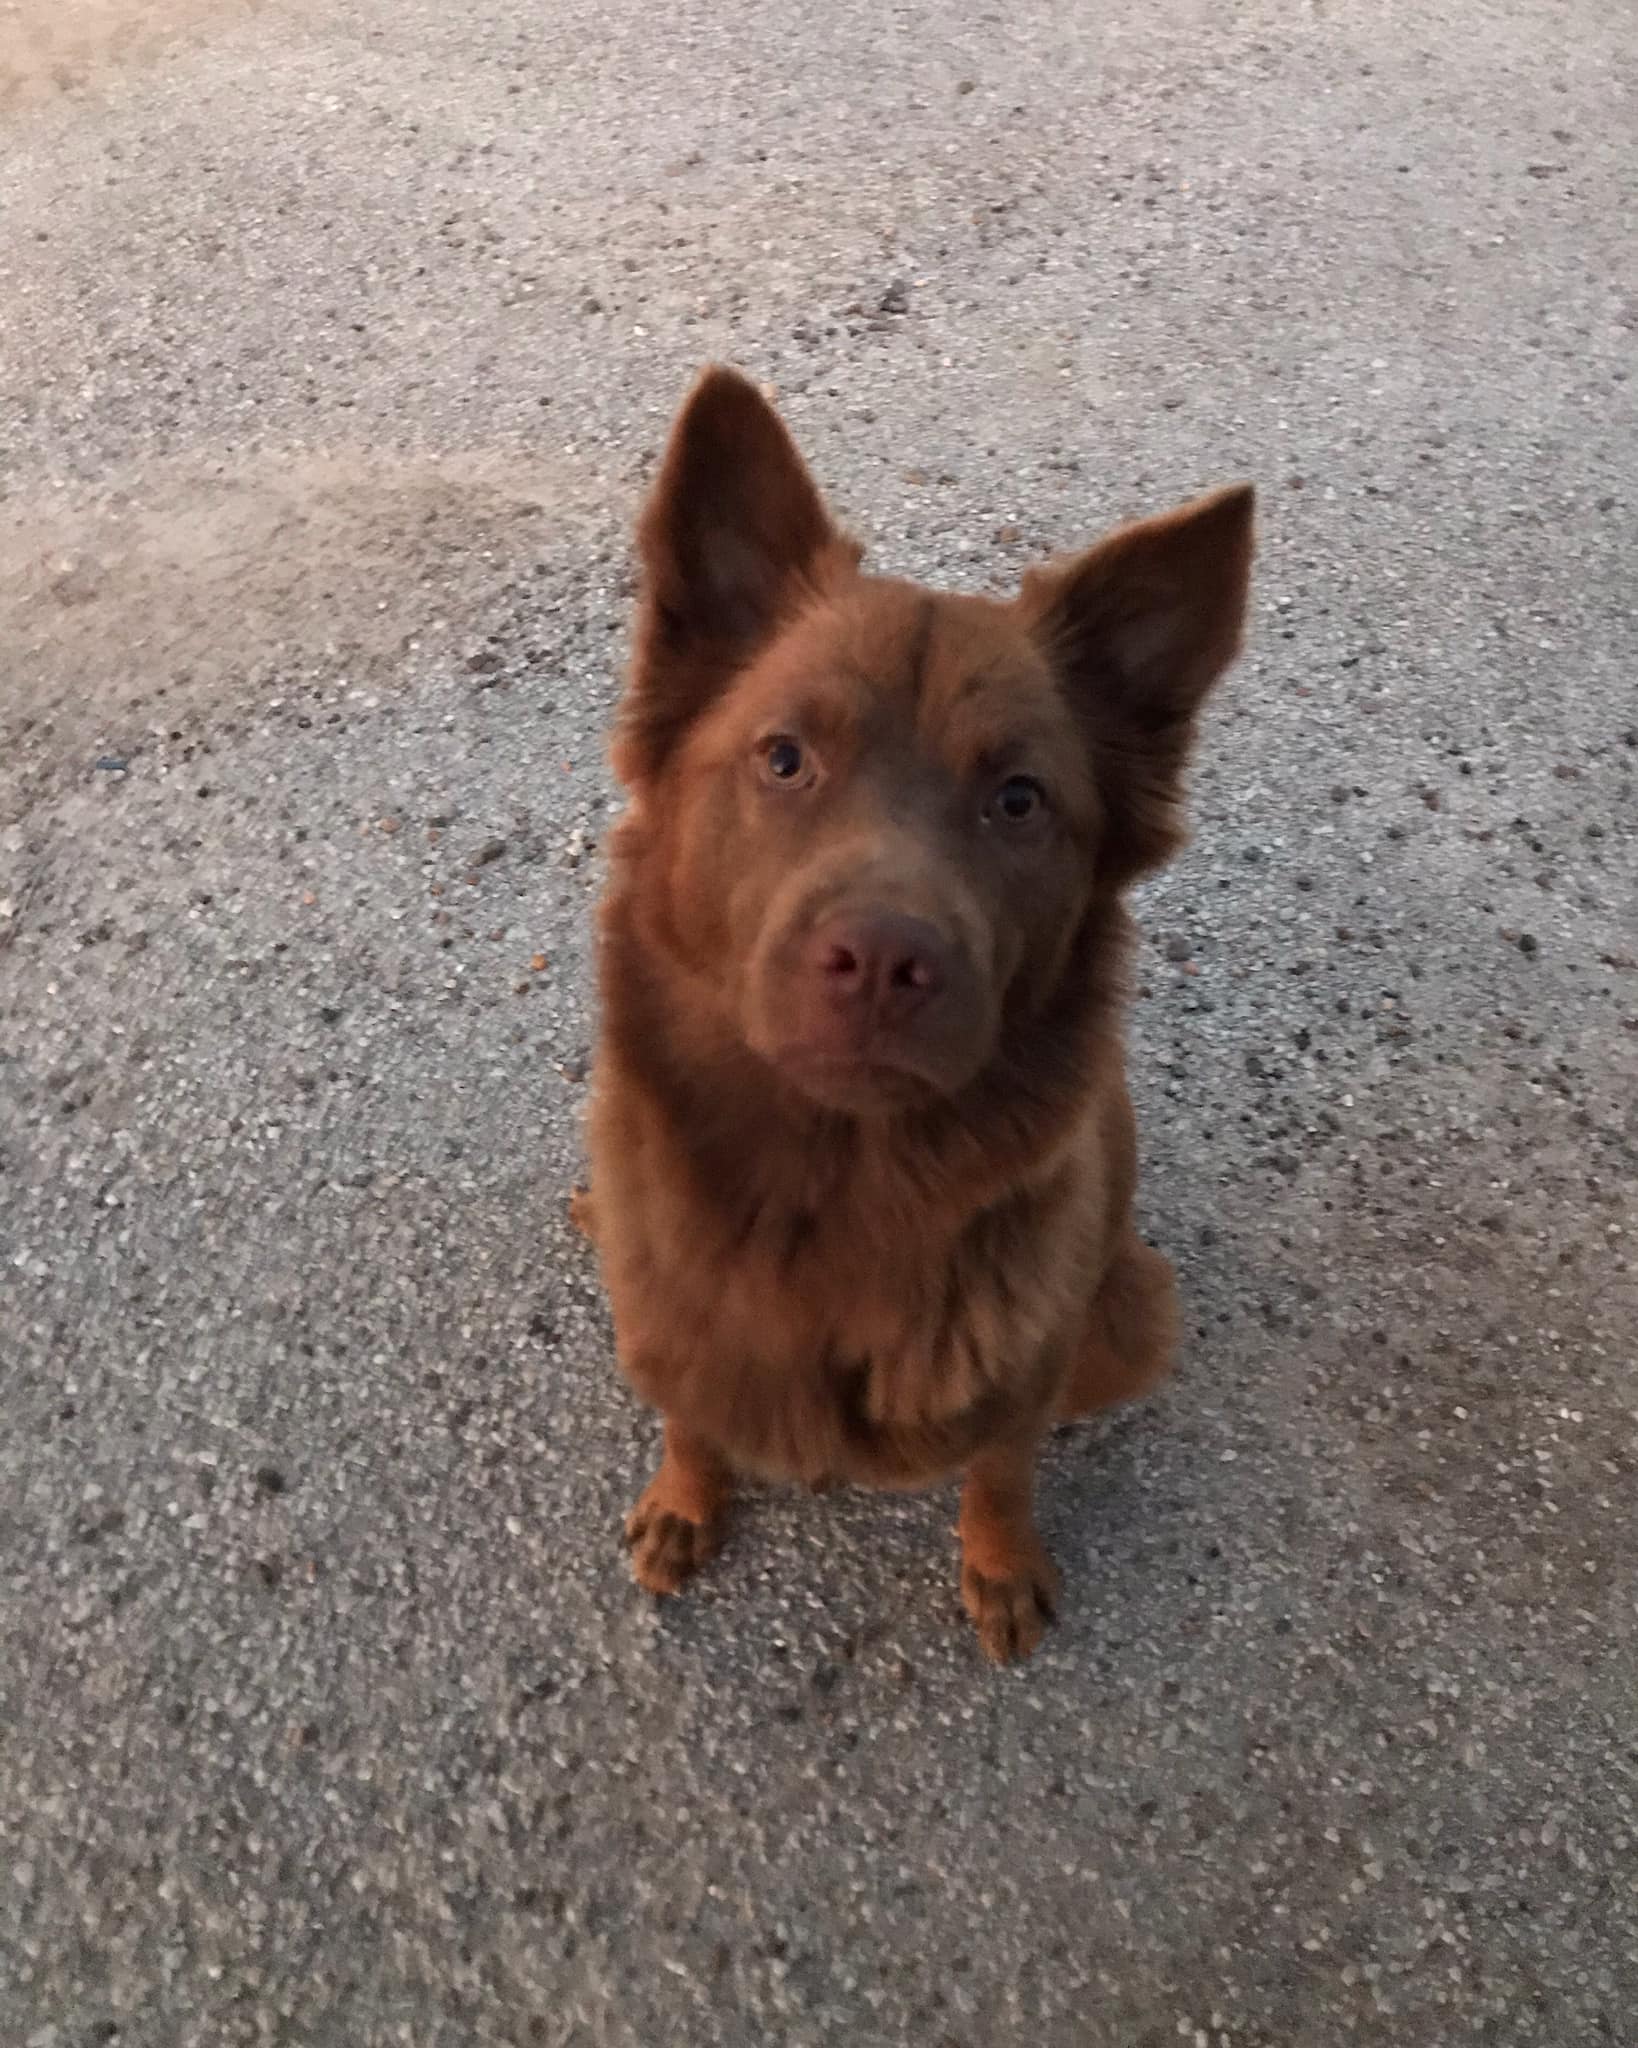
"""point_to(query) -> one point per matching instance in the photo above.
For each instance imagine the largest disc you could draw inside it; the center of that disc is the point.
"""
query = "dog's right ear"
(734, 539)
(1139, 628)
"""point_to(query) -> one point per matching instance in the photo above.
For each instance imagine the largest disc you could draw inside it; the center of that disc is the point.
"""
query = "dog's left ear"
(734, 539)
(1138, 629)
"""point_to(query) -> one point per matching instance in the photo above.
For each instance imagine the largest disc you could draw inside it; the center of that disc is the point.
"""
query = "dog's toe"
(666, 1549)
(583, 1213)
(1011, 1613)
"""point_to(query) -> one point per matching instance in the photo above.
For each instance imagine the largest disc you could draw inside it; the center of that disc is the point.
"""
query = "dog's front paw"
(1011, 1607)
(666, 1548)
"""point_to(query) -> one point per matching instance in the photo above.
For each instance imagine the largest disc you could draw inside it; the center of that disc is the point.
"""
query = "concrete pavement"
(335, 345)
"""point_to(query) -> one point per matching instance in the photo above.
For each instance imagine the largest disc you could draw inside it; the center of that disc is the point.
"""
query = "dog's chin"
(860, 1085)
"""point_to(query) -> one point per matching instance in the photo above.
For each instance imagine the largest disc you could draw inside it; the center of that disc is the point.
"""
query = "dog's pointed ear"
(733, 540)
(1139, 628)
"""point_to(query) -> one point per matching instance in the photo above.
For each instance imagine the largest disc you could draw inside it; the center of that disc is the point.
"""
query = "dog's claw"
(666, 1549)
(1011, 1614)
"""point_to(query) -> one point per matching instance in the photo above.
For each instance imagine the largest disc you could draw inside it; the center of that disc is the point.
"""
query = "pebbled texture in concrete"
(335, 344)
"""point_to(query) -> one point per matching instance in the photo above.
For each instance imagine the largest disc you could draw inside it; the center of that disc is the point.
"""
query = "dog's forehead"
(937, 662)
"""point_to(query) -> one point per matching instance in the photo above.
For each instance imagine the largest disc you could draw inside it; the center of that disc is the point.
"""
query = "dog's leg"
(1131, 1334)
(1008, 1583)
(675, 1527)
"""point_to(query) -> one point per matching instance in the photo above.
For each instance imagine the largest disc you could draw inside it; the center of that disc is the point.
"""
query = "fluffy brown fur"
(862, 1150)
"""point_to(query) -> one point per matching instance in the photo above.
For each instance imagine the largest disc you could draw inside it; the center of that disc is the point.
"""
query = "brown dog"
(862, 1151)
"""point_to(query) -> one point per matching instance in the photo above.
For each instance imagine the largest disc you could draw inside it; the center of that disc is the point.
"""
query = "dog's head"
(878, 816)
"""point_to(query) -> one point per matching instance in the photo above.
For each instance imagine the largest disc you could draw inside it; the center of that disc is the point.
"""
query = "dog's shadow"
(1096, 1487)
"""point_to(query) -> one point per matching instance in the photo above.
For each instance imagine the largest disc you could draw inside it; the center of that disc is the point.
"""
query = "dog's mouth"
(872, 1083)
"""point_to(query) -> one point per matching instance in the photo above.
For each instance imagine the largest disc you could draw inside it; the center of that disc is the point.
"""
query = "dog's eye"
(785, 762)
(1019, 799)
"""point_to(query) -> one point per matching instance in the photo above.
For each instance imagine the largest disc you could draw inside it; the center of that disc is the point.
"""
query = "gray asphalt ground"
(335, 345)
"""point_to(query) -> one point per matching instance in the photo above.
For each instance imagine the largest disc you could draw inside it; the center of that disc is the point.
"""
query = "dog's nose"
(887, 963)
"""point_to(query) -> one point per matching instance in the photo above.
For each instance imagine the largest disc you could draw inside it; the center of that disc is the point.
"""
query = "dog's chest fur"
(845, 1329)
